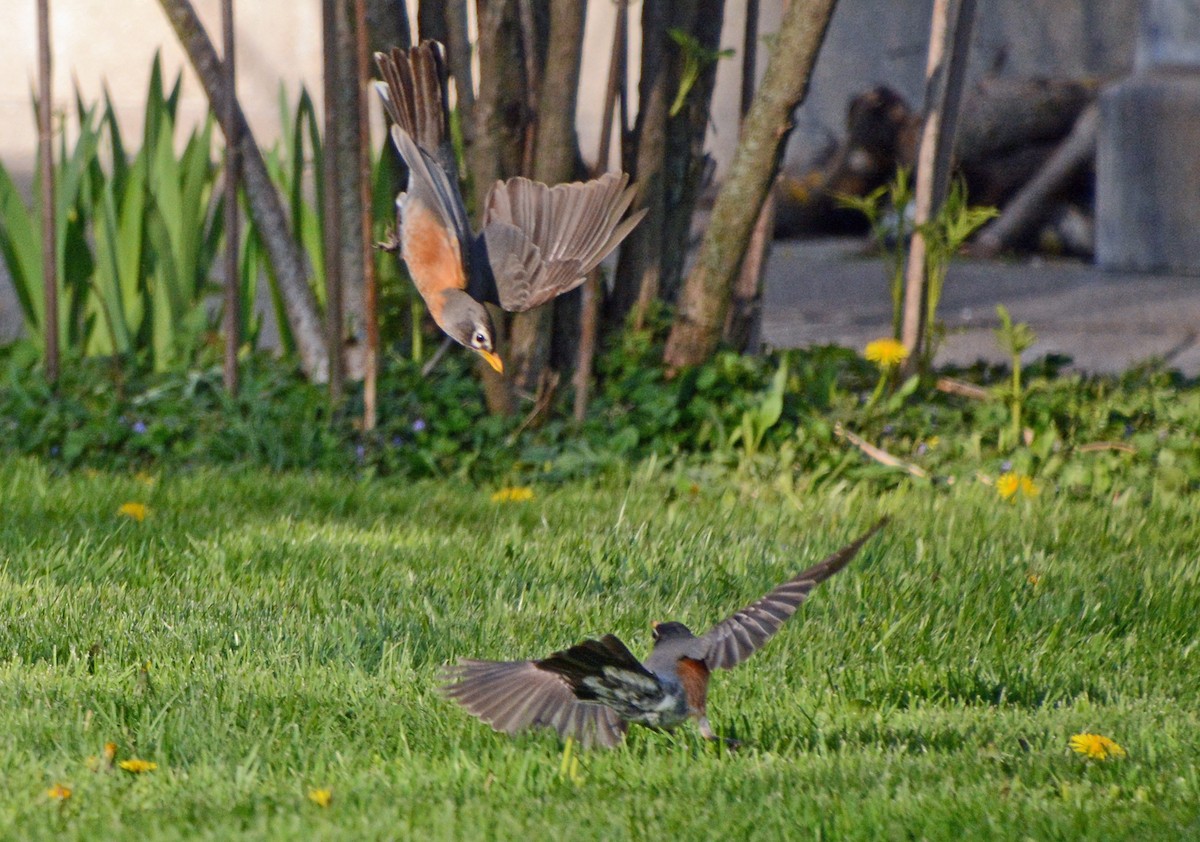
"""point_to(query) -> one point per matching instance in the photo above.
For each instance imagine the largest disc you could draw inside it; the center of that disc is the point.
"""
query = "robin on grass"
(536, 242)
(593, 690)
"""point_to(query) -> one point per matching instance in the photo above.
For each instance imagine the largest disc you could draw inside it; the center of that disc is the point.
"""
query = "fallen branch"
(1097, 446)
(878, 454)
(962, 388)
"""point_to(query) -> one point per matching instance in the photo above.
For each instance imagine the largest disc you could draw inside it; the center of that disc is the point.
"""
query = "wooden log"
(1030, 204)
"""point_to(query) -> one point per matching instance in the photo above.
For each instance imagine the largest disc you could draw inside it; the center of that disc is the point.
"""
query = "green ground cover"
(262, 635)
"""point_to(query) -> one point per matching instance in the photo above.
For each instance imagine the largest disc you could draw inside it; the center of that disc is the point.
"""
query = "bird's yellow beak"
(492, 359)
(654, 624)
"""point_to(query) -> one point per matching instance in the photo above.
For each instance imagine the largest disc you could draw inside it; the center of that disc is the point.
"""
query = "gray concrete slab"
(826, 291)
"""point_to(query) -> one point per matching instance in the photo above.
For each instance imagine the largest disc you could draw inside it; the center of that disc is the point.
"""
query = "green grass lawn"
(259, 636)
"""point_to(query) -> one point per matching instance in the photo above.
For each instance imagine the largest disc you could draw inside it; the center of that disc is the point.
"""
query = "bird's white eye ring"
(480, 339)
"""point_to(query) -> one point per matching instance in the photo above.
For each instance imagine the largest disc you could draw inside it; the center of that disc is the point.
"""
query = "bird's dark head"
(671, 631)
(468, 323)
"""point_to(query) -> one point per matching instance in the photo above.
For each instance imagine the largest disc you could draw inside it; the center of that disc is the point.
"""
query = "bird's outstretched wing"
(513, 696)
(542, 241)
(605, 671)
(735, 639)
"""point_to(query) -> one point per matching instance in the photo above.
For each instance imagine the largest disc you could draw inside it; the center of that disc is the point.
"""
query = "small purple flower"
(1005, 466)
(397, 441)
(360, 452)
(922, 449)
(139, 427)
(54, 451)
(419, 425)
(888, 429)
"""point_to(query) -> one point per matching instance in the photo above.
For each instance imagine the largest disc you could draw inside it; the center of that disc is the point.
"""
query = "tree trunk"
(458, 57)
(705, 298)
(500, 117)
(742, 323)
(387, 26)
(638, 266)
(686, 165)
(286, 256)
(431, 21)
(333, 182)
(593, 289)
(46, 173)
(554, 162)
(949, 44)
(669, 153)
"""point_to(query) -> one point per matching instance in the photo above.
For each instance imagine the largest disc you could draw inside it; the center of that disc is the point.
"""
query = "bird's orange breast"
(693, 675)
(432, 253)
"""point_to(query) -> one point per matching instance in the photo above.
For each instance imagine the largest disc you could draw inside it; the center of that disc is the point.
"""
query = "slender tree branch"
(287, 259)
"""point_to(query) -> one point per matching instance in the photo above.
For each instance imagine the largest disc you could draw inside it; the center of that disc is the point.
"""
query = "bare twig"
(547, 387)
(436, 357)
(1098, 446)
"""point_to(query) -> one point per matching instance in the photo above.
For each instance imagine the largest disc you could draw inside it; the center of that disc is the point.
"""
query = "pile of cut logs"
(1024, 146)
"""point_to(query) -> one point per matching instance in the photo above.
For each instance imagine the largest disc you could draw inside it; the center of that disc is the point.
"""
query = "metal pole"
(46, 166)
(233, 319)
(331, 199)
(370, 282)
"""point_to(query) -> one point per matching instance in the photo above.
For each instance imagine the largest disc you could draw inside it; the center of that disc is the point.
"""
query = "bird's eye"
(480, 339)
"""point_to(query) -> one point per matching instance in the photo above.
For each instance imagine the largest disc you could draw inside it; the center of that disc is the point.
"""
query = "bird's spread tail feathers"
(414, 94)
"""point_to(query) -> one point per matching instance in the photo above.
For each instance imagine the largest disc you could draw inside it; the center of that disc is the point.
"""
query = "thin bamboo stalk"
(232, 236)
(370, 281)
(949, 45)
(46, 151)
(331, 199)
(593, 289)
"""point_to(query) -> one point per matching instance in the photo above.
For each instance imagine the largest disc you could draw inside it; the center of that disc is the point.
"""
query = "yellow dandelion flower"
(1033, 579)
(517, 494)
(1096, 746)
(134, 511)
(137, 766)
(145, 478)
(320, 797)
(1008, 485)
(1028, 487)
(58, 792)
(886, 353)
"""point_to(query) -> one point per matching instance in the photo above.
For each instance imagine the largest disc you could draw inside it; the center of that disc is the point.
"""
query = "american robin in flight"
(593, 690)
(536, 242)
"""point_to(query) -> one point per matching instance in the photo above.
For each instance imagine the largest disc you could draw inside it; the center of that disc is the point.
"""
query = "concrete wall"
(870, 42)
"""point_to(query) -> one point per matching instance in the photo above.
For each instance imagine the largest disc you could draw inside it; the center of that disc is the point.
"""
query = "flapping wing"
(543, 241)
(734, 640)
(513, 696)
(605, 671)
